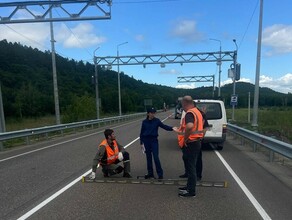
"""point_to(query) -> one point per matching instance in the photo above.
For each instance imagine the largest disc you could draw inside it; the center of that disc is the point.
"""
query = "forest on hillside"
(27, 87)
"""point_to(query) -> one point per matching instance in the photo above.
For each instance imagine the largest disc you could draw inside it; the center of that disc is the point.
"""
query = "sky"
(174, 26)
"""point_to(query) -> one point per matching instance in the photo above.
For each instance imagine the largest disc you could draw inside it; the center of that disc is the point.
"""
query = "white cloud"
(186, 86)
(265, 80)
(36, 35)
(82, 36)
(228, 81)
(171, 71)
(139, 37)
(282, 84)
(186, 30)
(278, 38)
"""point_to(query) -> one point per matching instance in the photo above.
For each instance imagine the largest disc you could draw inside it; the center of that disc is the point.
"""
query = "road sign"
(234, 100)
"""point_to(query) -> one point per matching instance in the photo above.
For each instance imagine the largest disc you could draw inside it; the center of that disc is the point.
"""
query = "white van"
(216, 116)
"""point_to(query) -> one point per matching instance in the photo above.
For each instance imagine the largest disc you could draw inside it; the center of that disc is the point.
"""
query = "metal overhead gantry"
(163, 59)
(211, 78)
(183, 79)
(41, 11)
(102, 7)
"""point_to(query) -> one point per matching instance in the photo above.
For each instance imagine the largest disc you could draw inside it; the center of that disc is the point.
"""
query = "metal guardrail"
(26, 133)
(272, 144)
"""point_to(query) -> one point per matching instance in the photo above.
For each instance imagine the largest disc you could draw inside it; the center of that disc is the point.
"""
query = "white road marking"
(53, 145)
(45, 202)
(55, 195)
(246, 191)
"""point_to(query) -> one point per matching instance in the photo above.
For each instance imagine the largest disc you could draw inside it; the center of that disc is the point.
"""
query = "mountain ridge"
(27, 87)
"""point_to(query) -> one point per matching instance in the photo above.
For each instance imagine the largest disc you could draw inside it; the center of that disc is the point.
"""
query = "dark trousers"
(199, 166)
(115, 168)
(190, 154)
(152, 149)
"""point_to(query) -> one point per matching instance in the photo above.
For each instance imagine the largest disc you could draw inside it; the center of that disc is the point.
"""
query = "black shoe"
(183, 189)
(149, 176)
(187, 195)
(183, 176)
(160, 177)
(127, 175)
(199, 179)
(119, 169)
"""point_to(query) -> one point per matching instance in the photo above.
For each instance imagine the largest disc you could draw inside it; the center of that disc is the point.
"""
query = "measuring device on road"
(169, 182)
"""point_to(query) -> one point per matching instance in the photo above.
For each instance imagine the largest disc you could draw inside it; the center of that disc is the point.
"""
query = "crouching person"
(109, 155)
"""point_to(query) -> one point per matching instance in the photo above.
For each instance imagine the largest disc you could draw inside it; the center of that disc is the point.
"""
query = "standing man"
(109, 154)
(199, 166)
(189, 139)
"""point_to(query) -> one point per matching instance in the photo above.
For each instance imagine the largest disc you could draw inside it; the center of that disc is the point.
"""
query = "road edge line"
(246, 191)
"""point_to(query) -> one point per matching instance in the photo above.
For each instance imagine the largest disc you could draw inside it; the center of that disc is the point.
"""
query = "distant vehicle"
(216, 116)
(178, 109)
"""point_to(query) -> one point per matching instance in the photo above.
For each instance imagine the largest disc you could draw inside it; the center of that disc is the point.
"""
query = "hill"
(27, 87)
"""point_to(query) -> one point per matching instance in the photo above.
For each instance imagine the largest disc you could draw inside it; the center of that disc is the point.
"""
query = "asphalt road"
(28, 180)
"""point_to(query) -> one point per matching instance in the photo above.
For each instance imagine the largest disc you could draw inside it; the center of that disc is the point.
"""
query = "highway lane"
(29, 179)
(32, 178)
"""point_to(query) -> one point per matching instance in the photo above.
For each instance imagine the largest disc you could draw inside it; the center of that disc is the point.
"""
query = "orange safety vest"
(112, 155)
(197, 131)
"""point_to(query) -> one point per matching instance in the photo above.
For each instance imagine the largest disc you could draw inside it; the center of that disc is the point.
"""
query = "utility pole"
(2, 117)
(258, 66)
(96, 84)
(55, 82)
(248, 116)
(119, 81)
(219, 63)
(234, 76)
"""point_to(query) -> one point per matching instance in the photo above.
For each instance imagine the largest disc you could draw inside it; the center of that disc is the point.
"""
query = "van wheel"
(219, 147)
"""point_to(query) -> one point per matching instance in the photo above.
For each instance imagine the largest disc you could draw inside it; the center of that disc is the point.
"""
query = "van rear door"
(214, 116)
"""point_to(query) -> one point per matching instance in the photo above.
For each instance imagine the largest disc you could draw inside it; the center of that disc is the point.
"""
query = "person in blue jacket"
(149, 142)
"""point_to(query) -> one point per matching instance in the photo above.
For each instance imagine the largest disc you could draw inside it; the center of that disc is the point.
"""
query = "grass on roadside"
(274, 121)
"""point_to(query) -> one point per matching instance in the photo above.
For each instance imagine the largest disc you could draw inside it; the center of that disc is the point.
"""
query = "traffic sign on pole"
(234, 100)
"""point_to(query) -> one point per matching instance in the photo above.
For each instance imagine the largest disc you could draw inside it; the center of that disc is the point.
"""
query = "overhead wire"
(251, 18)
(34, 41)
(83, 47)
(29, 39)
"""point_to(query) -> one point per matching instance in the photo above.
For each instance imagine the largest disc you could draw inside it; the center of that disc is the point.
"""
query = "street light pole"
(258, 66)
(219, 64)
(119, 82)
(234, 76)
(96, 83)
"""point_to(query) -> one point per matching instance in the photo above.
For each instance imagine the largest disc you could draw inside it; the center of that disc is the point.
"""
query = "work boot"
(149, 176)
(183, 176)
(105, 174)
(183, 189)
(187, 195)
(127, 175)
(119, 169)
